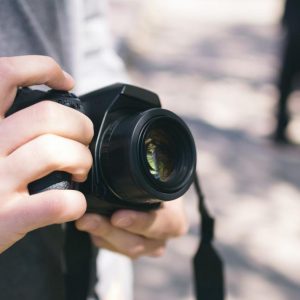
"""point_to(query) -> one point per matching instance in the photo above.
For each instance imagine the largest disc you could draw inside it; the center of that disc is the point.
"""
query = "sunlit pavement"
(214, 63)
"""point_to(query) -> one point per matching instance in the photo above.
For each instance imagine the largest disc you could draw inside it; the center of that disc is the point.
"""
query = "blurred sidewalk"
(215, 63)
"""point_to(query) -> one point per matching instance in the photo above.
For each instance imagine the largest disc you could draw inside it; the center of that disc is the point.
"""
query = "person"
(35, 48)
(290, 67)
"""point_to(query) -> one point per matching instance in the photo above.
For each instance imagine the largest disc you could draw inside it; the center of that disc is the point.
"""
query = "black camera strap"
(208, 266)
(78, 259)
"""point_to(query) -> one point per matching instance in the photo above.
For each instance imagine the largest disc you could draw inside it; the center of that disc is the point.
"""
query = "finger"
(166, 222)
(43, 155)
(45, 117)
(26, 71)
(34, 69)
(124, 242)
(42, 209)
(102, 243)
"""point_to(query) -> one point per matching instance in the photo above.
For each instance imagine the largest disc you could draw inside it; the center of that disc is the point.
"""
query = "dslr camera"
(142, 154)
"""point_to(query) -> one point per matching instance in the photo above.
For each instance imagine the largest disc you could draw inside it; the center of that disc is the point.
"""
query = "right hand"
(34, 142)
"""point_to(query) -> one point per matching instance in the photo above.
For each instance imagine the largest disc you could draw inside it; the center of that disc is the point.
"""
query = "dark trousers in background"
(290, 69)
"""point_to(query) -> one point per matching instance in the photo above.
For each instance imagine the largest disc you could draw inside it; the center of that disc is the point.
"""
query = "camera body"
(142, 154)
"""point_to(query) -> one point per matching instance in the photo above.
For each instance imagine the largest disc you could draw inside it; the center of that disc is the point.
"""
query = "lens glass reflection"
(159, 154)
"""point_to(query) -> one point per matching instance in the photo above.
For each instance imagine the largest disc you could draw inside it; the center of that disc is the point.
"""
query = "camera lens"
(159, 149)
(148, 156)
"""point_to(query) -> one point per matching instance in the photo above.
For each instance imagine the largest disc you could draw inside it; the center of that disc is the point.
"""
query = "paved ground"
(214, 63)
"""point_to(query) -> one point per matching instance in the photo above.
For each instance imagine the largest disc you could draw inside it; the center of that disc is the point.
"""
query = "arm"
(35, 142)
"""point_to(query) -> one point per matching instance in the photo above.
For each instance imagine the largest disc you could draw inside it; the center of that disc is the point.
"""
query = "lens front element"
(159, 151)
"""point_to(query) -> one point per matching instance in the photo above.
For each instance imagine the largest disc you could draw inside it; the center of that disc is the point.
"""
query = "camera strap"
(80, 264)
(208, 266)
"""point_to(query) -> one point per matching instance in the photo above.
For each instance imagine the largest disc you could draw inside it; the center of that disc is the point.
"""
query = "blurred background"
(215, 63)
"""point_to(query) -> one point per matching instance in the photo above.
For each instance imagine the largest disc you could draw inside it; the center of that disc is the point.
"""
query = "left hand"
(134, 233)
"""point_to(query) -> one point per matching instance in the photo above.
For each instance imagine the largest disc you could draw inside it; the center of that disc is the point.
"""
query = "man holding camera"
(44, 138)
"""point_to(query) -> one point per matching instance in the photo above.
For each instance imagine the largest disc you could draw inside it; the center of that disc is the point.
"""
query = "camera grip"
(25, 97)
(57, 180)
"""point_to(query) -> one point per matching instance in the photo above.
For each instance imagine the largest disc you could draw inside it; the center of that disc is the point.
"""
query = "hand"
(34, 142)
(135, 233)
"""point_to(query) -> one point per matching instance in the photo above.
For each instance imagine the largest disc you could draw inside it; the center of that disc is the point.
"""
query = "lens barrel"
(148, 156)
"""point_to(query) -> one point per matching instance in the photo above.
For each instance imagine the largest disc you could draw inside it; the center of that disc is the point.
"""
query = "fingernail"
(89, 224)
(124, 222)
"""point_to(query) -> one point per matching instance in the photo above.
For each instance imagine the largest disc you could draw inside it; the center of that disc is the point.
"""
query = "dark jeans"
(289, 70)
(49, 264)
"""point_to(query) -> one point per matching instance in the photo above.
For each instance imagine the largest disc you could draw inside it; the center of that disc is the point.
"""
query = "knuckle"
(61, 154)
(86, 159)
(52, 68)
(136, 251)
(7, 69)
(177, 227)
(160, 251)
(14, 218)
(67, 206)
(89, 160)
(46, 109)
(51, 64)
(89, 128)
(46, 112)
(163, 233)
(182, 230)
(55, 207)
(83, 165)
(5, 178)
(102, 230)
(49, 149)
(78, 209)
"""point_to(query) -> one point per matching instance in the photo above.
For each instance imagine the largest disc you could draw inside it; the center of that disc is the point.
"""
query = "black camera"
(142, 154)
